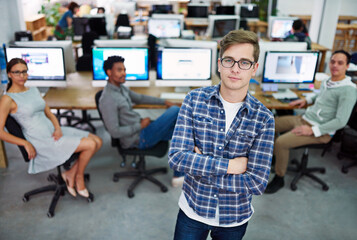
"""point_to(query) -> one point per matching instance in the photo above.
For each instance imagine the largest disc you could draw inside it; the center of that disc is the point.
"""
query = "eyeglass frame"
(234, 62)
(18, 73)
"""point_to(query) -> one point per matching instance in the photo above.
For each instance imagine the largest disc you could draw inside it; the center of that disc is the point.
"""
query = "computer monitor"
(183, 67)
(278, 27)
(164, 28)
(277, 46)
(161, 8)
(184, 43)
(225, 10)
(119, 7)
(136, 64)
(220, 25)
(249, 11)
(121, 43)
(66, 45)
(80, 26)
(197, 10)
(45, 65)
(287, 68)
(170, 16)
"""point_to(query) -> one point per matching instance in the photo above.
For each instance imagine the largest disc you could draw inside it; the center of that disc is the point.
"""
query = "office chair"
(349, 142)
(123, 21)
(59, 185)
(140, 173)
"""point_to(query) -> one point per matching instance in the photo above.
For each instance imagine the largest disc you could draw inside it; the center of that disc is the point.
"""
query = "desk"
(258, 26)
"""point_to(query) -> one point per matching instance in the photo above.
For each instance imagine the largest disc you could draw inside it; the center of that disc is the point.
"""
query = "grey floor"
(308, 213)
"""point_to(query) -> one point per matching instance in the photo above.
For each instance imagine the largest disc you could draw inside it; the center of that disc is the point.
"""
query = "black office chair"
(140, 171)
(123, 21)
(349, 142)
(59, 185)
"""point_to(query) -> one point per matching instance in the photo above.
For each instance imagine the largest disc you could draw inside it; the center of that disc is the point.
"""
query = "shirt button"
(222, 111)
(215, 195)
(222, 130)
(220, 148)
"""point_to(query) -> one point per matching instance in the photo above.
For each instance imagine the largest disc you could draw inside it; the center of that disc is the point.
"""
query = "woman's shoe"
(84, 193)
(71, 190)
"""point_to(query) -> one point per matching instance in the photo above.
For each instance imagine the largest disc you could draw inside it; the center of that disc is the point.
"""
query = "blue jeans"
(189, 229)
(160, 130)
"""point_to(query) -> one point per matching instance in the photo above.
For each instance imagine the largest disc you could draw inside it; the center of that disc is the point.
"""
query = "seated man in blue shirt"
(124, 123)
(223, 142)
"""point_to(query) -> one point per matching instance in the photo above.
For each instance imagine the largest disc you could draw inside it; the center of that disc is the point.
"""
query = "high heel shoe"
(83, 193)
(71, 190)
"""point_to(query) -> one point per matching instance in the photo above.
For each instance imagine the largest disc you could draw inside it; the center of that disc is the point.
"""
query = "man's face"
(234, 78)
(338, 65)
(117, 74)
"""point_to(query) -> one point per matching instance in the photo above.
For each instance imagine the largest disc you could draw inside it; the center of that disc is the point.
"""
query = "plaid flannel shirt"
(201, 123)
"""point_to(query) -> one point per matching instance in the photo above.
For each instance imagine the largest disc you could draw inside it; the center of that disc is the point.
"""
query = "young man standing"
(223, 142)
(124, 123)
(330, 112)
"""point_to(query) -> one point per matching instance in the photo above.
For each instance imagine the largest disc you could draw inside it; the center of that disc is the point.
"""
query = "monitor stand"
(182, 89)
(43, 90)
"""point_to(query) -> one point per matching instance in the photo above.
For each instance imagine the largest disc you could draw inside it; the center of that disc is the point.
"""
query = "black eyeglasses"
(18, 73)
(242, 64)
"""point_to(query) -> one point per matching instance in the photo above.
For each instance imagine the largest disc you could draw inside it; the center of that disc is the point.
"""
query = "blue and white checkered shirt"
(201, 123)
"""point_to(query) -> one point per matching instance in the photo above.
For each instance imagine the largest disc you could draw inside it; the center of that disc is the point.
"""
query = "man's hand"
(237, 165)
(145, 122)
(299, 102)
(170, 104)
(303, 130)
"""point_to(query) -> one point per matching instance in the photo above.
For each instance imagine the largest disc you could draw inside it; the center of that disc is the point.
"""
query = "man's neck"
(337, 78)
(233, 96)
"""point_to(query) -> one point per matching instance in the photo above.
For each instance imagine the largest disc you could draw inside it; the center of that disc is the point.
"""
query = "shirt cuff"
(316, 131)
(222, 166)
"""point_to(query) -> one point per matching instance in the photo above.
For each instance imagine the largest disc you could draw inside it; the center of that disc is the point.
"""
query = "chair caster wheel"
(50, 215)
(115, 179)
(164, 189)
(25, 199)
(122, 164)
(130, 194)
(294, 161)
(323, 171)
(325, 188)
(133, 165)
(344, 170)
(86, 177)
(293, 187)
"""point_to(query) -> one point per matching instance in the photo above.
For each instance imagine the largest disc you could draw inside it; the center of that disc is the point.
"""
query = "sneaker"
(276, 184)
(177, 181)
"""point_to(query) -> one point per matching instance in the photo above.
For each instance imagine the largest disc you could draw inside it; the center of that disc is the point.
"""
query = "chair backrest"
(122, 20)
(15, 129)
(352, 122)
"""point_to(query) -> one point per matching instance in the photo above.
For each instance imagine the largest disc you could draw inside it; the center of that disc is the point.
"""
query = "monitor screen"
(66, 45)
(184, 64)
(162, 8)
(249, 11)
(278, 27)
(290, 67)
(197, 11)
(45, 65)
(225, 10)
(164, 28)
(136, 64)
(220, 25)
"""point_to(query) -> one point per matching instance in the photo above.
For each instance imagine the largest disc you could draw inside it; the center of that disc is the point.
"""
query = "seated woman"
(47, 144)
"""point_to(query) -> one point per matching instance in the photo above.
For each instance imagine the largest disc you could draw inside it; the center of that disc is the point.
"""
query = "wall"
(305, 7)
(10, 19)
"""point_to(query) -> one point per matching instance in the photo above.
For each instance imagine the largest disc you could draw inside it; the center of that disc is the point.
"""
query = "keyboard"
(173, 95)
(287, 100)
(288, 94)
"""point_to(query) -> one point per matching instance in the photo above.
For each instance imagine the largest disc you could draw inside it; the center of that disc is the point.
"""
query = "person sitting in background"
(330, 112)
(47, 144)
(124, 123)
(64, 25)
(298, 33)
(101, 10)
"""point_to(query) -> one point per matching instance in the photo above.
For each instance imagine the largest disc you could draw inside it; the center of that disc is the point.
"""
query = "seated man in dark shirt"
(298, 33)
(124, 123)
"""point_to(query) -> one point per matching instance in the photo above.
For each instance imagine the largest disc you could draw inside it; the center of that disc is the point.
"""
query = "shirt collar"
(248, 102)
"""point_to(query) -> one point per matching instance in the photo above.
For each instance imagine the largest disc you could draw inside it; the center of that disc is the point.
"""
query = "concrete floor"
(308, 213)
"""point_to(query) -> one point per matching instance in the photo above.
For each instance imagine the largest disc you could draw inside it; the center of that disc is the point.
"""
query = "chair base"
(303, 170)
(141, 173)
(59, 187)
